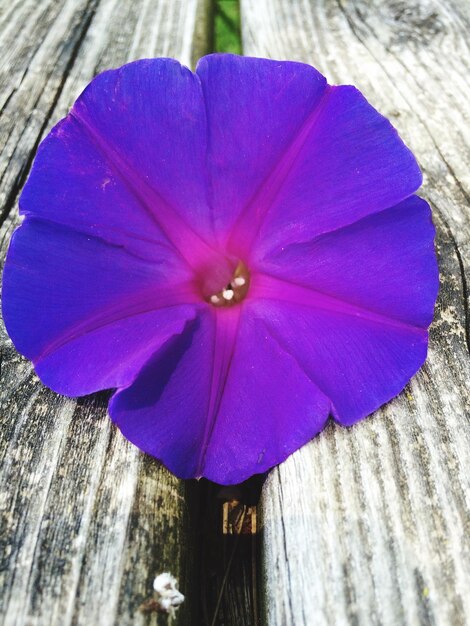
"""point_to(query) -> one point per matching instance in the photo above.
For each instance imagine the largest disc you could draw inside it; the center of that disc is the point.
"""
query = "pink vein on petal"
(190, 246)
(145, 302)
(272, 288)
(285, 348)
(251, 218)
(226, 323)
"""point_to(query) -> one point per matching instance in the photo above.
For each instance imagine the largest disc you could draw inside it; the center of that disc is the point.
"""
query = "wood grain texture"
(87, 522)
(370, 525)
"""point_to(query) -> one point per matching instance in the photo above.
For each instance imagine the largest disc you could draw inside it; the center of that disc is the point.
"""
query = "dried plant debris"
(168, 597)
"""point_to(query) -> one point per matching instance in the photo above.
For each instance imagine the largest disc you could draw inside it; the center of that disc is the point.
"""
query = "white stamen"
(227, 294)
(215, 299)
(238, 281)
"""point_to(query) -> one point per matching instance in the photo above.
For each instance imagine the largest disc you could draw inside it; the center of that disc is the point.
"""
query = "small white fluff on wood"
(169, 598)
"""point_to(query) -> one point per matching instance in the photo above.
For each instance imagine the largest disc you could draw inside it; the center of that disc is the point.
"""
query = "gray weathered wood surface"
(370, 525)
(363, 526)
(86, 521)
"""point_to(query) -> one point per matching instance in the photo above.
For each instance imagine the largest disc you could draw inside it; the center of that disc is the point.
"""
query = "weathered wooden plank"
(370, 525)
(87, 521)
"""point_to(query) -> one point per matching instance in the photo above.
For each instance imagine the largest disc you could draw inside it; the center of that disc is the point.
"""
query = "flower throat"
(235, 291)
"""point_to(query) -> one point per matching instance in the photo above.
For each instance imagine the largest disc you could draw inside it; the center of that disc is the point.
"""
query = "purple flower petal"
(254, 107)
(88, 313)
(239, 401)
(72, 184)
(384, 263)
(129, 168)
(361, 298)
(148, 118)
(358, 360)
(344, 163)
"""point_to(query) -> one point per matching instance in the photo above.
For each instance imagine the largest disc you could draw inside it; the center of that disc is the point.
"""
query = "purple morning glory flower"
(237, 251)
